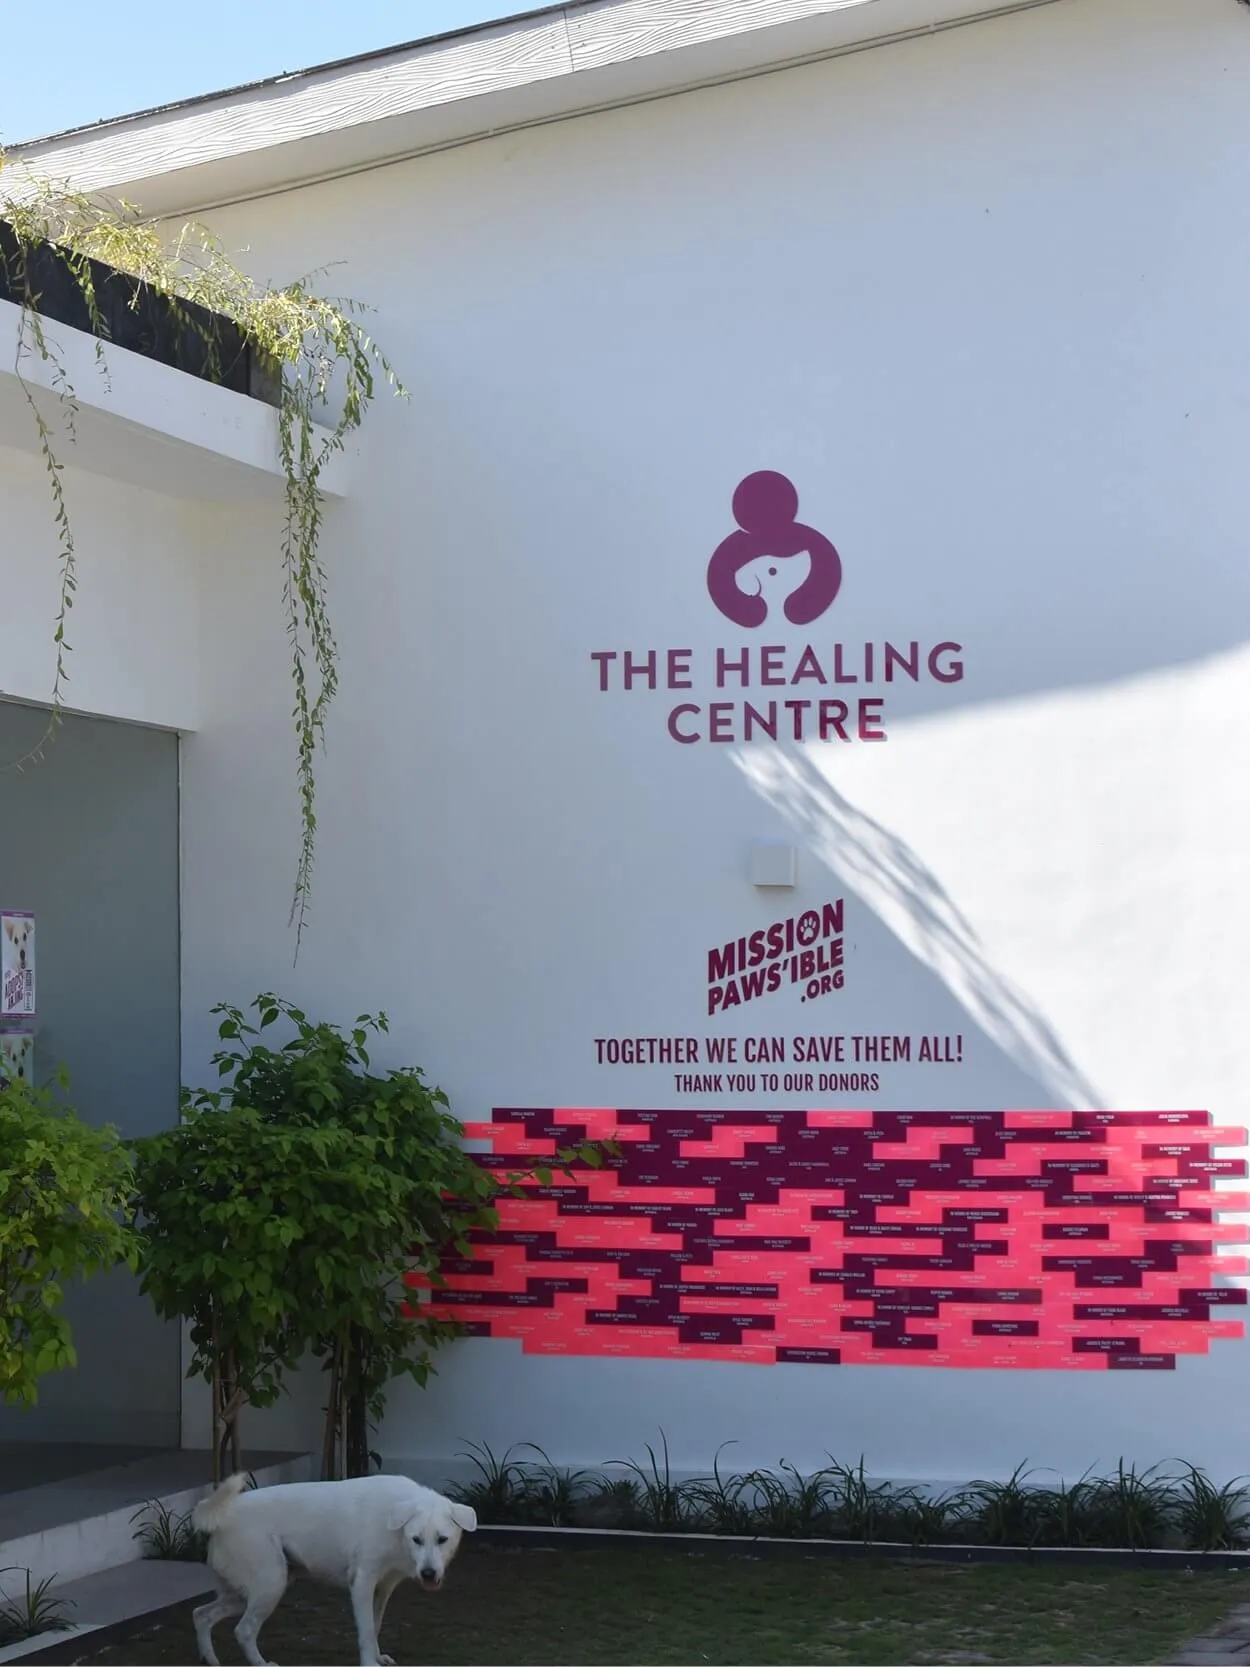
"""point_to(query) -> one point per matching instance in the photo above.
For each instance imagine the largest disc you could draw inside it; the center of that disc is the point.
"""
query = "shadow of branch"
(886, 874)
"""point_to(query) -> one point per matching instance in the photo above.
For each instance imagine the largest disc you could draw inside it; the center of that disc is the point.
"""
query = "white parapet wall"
(159, 469)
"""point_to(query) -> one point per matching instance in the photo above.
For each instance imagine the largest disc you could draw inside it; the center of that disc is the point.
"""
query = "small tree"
(64, 1186)
(231, 1212)
(400, 1194)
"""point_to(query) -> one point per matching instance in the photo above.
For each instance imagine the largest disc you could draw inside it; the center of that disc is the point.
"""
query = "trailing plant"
(294, 1208)
(37, 1609)
(328, 368)
(63, 1190)
(168, 1536)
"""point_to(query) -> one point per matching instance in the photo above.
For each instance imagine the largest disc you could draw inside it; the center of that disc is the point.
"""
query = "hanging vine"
(328, 366)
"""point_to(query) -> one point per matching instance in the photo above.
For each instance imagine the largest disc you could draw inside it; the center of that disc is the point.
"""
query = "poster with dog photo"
(17, 964)
(17, 1056)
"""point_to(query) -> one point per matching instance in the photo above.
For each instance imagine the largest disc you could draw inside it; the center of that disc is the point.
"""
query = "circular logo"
(773, 563)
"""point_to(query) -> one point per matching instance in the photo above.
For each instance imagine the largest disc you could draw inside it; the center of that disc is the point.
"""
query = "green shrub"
(64, 1187)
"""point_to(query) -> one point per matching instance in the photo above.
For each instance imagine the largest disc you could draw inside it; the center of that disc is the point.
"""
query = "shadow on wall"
(908, 898)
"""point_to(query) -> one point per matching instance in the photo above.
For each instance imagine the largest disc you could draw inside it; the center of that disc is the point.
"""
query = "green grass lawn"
(662, 1605)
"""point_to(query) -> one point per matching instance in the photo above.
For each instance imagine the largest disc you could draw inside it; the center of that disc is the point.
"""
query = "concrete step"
(101, 1602)
(82, 1525)
(33, 1464)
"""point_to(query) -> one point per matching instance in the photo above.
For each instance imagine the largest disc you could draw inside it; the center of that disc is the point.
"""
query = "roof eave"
(530, 69)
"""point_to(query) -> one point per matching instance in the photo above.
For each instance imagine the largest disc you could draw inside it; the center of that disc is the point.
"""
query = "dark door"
(89, 842)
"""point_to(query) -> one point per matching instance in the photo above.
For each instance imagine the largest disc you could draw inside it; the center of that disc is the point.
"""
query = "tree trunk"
(227, 1404)
(221, 1426)
(331, 1444)
(356, 1435)
(345, 1435)
(235, 1455)
(216, 1409)
(355, 1410)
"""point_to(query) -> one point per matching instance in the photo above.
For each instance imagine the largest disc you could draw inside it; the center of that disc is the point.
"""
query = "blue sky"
(84, 60)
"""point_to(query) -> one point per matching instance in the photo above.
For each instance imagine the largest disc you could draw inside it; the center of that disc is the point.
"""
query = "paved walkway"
(1225, 1644)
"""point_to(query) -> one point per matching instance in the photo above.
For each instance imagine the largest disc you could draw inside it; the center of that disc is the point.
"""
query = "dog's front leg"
(366, 1630)
(381, 1598)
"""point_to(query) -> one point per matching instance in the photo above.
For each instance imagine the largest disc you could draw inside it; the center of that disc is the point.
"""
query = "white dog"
(19, 929)
(366, 1534)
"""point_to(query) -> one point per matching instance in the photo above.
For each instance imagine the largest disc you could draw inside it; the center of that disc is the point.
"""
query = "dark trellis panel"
(136, 317)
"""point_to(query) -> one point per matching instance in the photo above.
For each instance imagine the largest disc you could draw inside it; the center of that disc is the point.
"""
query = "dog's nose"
(431, 1577)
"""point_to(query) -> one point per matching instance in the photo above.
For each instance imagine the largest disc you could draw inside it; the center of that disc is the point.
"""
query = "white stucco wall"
(981, 298)
(132, 630)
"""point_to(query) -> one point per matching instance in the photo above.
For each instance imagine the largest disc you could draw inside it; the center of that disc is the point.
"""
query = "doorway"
(89, 843)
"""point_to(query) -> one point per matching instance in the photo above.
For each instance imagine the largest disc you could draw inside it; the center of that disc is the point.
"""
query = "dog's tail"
(208, 1514)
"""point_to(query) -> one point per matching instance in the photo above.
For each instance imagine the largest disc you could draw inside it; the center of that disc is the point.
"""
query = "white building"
(972, 279)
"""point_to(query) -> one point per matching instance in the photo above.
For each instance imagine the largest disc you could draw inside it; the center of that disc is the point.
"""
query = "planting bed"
(1165, 1508)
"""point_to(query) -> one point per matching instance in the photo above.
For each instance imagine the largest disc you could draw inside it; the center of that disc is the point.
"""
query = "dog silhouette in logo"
(773, 562)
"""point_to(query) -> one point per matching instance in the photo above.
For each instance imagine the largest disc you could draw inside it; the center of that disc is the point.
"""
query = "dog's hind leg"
(363, 1592)
(266, 1583)
(206, 1617)
(381, 1597)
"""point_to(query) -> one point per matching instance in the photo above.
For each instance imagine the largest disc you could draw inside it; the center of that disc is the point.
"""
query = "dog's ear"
(464, 1516)
(401, 1516)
